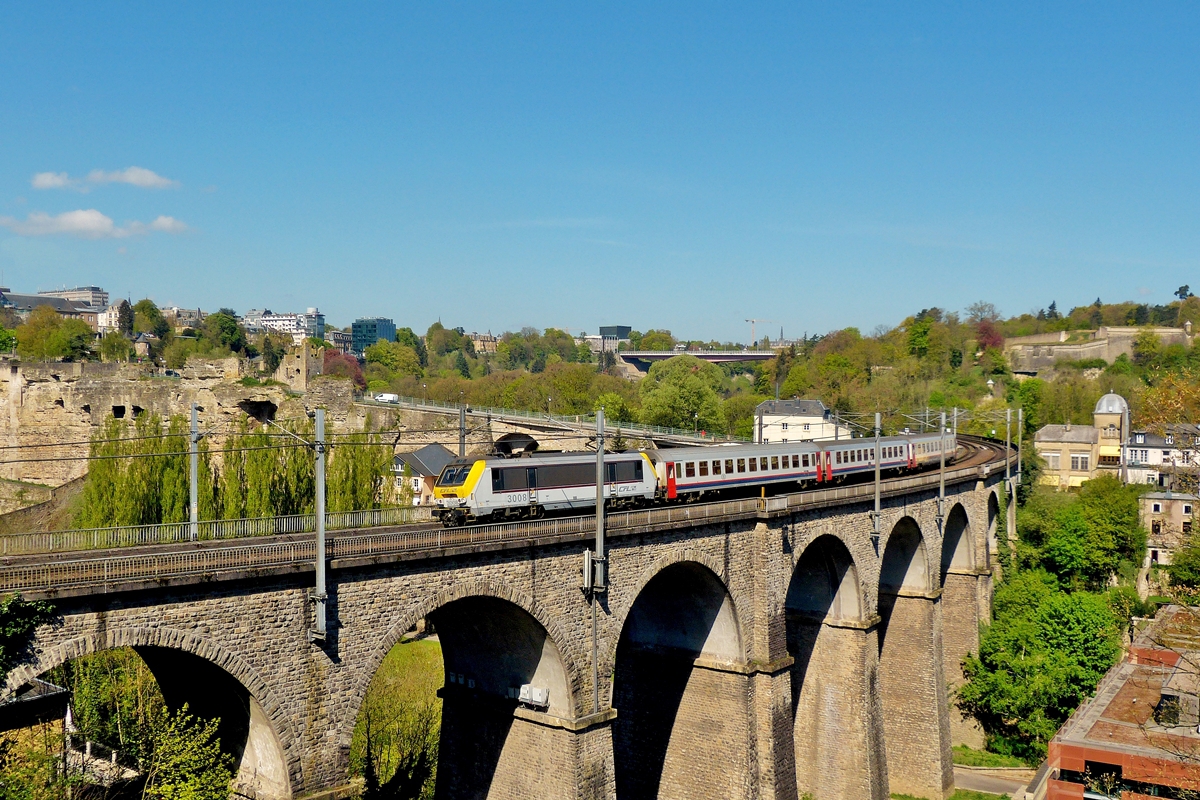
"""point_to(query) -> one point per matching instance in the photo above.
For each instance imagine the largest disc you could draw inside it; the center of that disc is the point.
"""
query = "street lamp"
(550, 406)
(695, 422)
(422, 394)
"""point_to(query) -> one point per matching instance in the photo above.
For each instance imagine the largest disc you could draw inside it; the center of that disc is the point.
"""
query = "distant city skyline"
(682, 167)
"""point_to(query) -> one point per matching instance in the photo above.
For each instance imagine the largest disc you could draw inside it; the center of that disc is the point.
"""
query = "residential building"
(142, 343)
(92, 296)
(109, 319)
(23, 304)
(299, 326)
(369, 330)
(302, 363)
(1168, 517)
(181, 318)
(1163, 458)
(483, 342)
(424, 466)
(797, 421)
(339, 340)
(1137, 735)
(1077, 453)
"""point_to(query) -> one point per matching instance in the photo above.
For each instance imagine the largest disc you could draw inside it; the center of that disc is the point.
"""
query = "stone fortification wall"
(52, 411)
(1035, 353)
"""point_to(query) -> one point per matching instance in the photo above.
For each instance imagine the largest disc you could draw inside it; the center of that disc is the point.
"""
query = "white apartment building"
(298, 326)
(1153, 457)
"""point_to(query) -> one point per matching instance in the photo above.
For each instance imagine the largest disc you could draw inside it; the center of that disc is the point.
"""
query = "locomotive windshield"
(454, 475)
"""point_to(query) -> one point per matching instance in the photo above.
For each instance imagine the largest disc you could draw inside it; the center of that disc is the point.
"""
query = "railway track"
(145, 567)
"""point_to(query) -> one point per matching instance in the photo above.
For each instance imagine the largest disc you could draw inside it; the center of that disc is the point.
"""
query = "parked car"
(387, 398)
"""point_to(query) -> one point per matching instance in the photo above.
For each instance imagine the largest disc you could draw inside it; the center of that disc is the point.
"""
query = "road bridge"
(582, 427)
(755, 648)
(642, 359)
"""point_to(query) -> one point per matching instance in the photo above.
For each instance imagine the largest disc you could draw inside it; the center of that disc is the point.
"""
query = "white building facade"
(796, 421)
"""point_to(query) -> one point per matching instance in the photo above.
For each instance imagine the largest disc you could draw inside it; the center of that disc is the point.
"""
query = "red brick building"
(1137, 737)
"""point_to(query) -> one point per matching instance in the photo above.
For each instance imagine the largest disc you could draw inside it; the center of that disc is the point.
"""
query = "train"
(478, 489)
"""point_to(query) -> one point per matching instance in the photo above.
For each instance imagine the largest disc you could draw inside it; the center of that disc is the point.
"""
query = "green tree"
(657, 340)
(1044, 653)
(147, 318)
(1185, 563)
(47, 336)
(8, 340)
(682, 392)
(397, 358)
(115, 347)
(223, 330)
(461, 365)
(125, 319)
(616, 409)
(272, 354)
(187, 762)
(19, 619)
(408, 338)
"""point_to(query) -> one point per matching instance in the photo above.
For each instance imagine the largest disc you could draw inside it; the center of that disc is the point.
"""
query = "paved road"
(965, 779)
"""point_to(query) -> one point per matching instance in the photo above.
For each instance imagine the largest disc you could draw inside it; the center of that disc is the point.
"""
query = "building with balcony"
(1166, 458)
(299, 326)
(1077, 453)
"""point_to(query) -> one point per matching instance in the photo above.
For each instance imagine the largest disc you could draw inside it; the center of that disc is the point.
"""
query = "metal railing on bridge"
(19, 544)
(110, 571)
(583, 423)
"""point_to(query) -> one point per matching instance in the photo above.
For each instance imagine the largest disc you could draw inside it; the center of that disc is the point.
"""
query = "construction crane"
(754, 341)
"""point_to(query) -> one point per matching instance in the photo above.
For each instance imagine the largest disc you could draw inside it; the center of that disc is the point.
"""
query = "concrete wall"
(756, 659)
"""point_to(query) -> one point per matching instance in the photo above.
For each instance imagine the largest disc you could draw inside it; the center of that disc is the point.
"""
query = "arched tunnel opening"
(678, 711)
(124, 714)
(444, 713)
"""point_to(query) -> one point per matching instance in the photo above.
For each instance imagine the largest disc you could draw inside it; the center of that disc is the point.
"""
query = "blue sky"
(682, 166)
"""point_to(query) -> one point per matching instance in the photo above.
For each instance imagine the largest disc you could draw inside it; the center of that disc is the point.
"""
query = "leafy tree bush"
(682, 392)
(115, 347)
(19, 618)
(342, 365)
(48, 336)
(1044, 654)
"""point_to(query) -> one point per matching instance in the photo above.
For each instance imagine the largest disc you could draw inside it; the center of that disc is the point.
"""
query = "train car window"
(559, 475)
(690, 469)
(678, 469)
(729, 466)
(703, 469)
(804, 459)
(741, 465)
(513, 479)
(617, 472)
(774, 462)
(717, 467)
(762, 463)
(754, 465)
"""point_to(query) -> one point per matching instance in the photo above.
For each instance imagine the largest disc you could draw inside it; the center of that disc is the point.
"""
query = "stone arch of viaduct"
(763, 657)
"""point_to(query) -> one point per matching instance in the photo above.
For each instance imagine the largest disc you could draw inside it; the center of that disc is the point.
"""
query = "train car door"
(531, 479)
(912, 455)
(671, 490)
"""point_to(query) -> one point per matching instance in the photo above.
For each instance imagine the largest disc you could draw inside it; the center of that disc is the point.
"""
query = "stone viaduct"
(763, 656)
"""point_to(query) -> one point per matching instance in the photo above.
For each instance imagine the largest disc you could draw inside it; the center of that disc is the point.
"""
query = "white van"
(387, 398)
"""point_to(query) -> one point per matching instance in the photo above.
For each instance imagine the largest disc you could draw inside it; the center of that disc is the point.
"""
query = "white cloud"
(86, 224)
(50, 180)
(134, 176)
